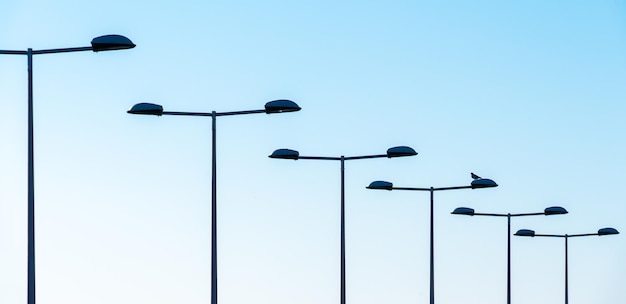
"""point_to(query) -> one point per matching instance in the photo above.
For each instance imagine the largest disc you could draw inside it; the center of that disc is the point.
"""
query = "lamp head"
(463, 211)
(483, 183)
(380, 185)
(146, 109)
(111, 43)
(525, 232)
(285, 154)
(281, 106)
(607, 231)
(400, 151)
(554, 210)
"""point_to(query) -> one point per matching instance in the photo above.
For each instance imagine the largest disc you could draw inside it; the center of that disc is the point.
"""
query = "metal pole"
(343, 233)
(432, 247)
(213, 214)
(508, 261)
(566, 292)
(31, 185)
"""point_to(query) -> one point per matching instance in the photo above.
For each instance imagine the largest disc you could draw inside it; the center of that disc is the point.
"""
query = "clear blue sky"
(528, 93)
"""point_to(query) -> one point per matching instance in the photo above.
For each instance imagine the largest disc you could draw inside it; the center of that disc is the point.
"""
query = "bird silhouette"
(474, 176)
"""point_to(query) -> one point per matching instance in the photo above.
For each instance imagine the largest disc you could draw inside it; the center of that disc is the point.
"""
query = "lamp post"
(601, 232)
(98, 44)
(272, 107)
(548, 211)
(295, 155)
(477, 183)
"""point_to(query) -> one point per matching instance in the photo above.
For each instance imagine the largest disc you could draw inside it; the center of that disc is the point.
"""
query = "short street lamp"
(295, 155)
(98, 44)
(531, 233)
(547, 211)
(272, 107)
(477, 183)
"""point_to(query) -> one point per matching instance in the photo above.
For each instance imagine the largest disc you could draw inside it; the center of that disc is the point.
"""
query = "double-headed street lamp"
(272, 107)
(601, 232)
(477, 183)
(98, 44)
(547, 211)
(295, 155)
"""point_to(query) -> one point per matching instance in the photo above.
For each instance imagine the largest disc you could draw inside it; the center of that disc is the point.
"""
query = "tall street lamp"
(295, 155)
(98, 44)
(272, 107)
(547, 211)
(531, 233)
(477, 183)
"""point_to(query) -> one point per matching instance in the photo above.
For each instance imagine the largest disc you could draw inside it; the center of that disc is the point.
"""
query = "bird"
(474, 176)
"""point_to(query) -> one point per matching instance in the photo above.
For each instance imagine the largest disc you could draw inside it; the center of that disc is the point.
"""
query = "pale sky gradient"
(527, 93)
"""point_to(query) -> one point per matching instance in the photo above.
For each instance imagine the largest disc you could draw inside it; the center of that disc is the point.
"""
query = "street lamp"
(272, 107)
(477, 183)
(98, 44)
(547, 211)
(295, 155)
(531, 233)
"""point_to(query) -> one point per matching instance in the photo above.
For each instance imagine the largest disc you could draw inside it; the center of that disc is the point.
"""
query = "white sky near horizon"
(527, 93)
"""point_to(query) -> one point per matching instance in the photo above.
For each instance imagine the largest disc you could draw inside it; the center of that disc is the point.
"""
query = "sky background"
(527, 93)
